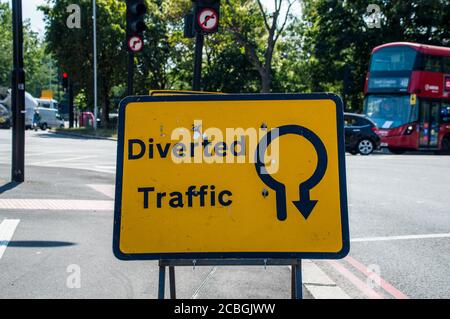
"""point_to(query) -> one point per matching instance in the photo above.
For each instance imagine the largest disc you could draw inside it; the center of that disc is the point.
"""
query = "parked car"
(49, 118)
(360, 136)
(5, 117)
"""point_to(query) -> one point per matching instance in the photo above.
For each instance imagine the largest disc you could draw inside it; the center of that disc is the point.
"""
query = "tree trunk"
(266, 81)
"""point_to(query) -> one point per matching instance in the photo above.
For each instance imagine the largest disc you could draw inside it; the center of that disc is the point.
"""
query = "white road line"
(203, 283)
(40, 153)
(7, 229)
(64, 160)
(56, 204)
(89, 167)
(405, 237)
(105, 189)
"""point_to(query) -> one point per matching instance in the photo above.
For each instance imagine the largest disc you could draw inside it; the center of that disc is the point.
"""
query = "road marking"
(384, 284)
(358, 283)
(36, 153)
(7, 229)
(405, 237)
(64, 160)
(105, 189)
(197, 291)
(56, 204)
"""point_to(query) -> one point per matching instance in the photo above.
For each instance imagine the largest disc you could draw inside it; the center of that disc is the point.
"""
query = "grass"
(89, 131)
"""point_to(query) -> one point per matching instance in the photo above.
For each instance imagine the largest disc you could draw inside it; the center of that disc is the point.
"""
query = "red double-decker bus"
(407, 94)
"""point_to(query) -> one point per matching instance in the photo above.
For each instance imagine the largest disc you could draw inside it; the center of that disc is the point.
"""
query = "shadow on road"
(61, 135)
(8, 186)
(39, 243)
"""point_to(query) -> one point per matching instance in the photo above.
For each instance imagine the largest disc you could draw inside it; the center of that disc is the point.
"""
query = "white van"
(47, 103)
(30, 105)
(47, 109)
(49, 118)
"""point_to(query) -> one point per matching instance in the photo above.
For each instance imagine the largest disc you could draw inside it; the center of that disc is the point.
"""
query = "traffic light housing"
(65, 81)
(206, 16)
(189, 31)
(136, 10)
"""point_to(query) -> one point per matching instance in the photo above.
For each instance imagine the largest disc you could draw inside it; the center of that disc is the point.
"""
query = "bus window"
(432, 63)
(446, 64)
(399, 58)
(445, 112)
(390, 111)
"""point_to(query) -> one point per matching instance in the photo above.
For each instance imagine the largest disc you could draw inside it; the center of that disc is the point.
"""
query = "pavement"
(56, 232)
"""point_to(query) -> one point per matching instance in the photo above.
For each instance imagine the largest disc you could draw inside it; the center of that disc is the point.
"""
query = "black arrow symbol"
(305, 205)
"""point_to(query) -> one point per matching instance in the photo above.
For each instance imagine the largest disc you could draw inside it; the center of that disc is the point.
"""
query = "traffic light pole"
(130, 73)
(18, 97)
(70, 91)
(199, 40)
(94, 38)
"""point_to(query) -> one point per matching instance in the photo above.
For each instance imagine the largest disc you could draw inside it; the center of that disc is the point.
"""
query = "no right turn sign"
(208, 20)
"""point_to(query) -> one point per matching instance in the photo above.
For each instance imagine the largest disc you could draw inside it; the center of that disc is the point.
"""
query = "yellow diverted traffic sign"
(231, 176)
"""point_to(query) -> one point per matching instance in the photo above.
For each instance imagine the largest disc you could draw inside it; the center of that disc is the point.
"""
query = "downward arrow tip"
(305, 207)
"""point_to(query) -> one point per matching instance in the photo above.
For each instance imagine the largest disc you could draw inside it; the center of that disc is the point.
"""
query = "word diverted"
(203, 196)
(138, 149)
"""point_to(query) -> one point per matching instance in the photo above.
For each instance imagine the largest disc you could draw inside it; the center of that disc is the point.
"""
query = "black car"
(360, 136)
(5, 117)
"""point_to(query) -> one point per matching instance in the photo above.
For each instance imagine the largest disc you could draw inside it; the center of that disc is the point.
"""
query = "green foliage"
(5, 45)
(39, 65)
(73, 48)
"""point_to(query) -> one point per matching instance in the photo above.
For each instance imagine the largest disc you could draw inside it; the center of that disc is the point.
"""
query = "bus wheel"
(445, 145)
(397, 151)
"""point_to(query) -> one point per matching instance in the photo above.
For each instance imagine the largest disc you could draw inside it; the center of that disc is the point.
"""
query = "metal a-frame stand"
(296, 273)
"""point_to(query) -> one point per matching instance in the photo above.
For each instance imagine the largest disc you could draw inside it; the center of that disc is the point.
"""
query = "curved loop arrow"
(304, 205)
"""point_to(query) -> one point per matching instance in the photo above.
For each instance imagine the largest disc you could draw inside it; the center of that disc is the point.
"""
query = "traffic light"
(65, 80)
(189, 31)
(207, 13)
(136, 10)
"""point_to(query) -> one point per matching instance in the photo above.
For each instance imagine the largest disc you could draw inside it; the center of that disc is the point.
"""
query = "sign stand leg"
(293, 268)
(173, 294)
(162, 282)
(296, 274)
(297, 291)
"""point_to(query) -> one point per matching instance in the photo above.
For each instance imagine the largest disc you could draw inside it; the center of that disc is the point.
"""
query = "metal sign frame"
(295, 264)
(233, 255)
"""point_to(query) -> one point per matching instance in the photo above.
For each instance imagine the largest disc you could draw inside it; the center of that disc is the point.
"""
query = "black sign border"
(233, 255)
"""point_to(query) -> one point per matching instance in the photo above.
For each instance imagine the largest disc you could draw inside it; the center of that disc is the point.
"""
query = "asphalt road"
(59, 225)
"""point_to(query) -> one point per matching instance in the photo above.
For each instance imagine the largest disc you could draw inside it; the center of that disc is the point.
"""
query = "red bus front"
(407, 94)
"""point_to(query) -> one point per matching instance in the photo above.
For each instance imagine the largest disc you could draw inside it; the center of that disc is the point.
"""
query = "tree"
(72, 48)
(37, 63)
(226, 67)
(5, 45)
(258, 31)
